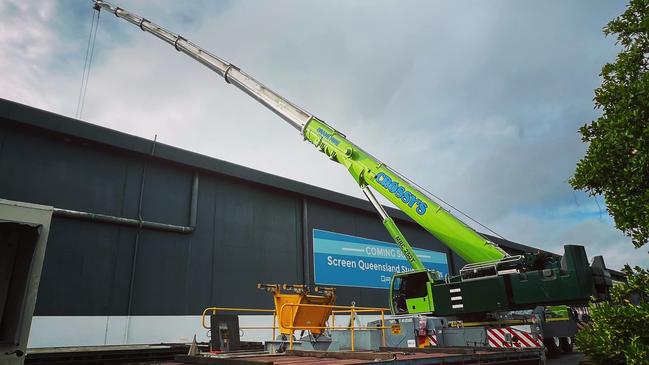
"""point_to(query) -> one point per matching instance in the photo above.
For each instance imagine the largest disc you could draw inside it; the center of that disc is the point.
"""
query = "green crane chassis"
(516, 283)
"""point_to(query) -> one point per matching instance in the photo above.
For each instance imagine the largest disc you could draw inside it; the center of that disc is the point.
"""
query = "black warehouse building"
(211, 230)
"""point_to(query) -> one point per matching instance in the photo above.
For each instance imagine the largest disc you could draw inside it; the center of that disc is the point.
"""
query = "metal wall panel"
(246, 232)
(257, 240)
(63, 172)
(81, 273)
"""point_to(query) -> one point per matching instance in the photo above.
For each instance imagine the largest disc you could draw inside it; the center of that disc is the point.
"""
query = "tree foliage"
(619, 331)
(616, 164)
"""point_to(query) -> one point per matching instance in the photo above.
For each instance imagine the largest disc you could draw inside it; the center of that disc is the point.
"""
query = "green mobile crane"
(492, 280)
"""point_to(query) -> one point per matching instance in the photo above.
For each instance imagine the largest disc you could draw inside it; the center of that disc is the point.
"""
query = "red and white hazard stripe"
(432, 340)
(581, 325)
(497, 337)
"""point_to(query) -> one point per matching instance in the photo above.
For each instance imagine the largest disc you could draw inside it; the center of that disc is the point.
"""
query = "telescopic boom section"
(366, 170)
(291, 113)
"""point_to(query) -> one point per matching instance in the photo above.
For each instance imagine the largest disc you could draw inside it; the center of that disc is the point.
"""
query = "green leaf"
(616, 164)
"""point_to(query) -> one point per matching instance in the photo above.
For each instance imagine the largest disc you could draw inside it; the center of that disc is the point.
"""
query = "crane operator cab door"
(412, 292)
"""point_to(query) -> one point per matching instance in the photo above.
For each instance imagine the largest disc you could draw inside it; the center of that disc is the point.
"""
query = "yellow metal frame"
(313, 316)
(509, 322)
(352, 310)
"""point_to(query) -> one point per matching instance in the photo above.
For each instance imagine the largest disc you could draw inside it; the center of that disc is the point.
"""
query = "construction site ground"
(175, 354)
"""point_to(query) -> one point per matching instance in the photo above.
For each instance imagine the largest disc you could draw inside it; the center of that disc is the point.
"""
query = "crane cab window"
(415, 285)
(408, 286)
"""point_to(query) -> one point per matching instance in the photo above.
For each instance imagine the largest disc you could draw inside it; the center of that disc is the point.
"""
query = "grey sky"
(477, 101)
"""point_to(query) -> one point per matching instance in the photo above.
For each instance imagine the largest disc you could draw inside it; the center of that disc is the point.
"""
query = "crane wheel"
(566, 344)
(552, 347)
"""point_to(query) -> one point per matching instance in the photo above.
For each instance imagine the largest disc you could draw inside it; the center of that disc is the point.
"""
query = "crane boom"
(291, 113)
(366, 169)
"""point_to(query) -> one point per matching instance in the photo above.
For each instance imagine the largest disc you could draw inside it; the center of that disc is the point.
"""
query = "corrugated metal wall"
(246, 232)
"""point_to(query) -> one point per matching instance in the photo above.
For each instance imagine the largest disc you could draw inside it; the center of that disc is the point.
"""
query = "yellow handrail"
(335, 309)
(226, 309)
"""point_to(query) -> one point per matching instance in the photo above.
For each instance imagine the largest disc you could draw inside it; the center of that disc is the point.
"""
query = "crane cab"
(412, 292)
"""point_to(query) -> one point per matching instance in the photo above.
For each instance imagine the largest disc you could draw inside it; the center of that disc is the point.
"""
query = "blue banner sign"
(344, 260)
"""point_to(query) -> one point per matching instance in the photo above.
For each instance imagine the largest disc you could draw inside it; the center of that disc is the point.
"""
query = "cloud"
(477, 102)
(596, 234)
(25, 39)
(599, 239)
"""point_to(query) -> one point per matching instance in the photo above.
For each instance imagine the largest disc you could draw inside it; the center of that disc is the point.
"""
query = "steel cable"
(90, 50)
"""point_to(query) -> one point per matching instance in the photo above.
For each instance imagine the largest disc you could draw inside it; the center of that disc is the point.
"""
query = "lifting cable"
(440, 200)
(90, 50)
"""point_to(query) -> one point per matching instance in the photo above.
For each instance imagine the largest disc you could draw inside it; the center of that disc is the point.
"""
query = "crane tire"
(566, 344)
(551, 347)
